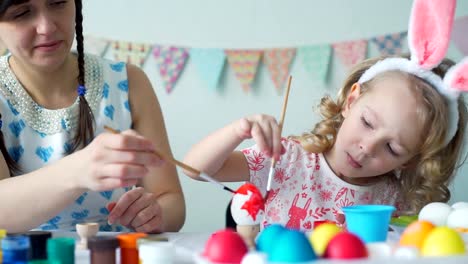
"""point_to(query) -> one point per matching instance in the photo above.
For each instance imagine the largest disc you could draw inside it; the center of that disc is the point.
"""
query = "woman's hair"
(427, 174)
(85, 129)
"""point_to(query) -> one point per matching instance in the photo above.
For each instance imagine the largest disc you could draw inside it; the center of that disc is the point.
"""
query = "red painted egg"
(345, 245)
(225, 246)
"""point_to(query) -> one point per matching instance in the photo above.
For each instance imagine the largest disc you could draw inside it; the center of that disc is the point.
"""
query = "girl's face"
(381, 130)
(39, 32)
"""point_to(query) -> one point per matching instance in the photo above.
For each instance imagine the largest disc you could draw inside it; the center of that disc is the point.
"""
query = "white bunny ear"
(456, 79)
(429, 31)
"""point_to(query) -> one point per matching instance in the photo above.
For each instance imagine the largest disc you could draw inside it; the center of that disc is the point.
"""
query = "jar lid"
(103, 242)
(129, 240)
(152, 238)
(38, 241)
(3, 233)
(61, 249)
(15, 242)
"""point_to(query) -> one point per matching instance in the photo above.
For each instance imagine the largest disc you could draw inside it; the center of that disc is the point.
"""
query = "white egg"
(379, 250)
(435, 213)
(254, 257)
(459, 205)
(406, 252)
(240, 215)
(458, 218)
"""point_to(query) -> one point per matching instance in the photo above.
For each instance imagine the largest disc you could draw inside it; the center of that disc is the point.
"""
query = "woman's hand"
(264, 130)
(115, 160)
(138, 210)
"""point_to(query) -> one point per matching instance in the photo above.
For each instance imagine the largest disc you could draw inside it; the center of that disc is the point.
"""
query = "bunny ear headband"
(429, 31)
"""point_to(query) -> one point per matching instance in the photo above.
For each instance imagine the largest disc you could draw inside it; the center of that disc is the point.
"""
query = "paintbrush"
(184, 166)
(280, 125)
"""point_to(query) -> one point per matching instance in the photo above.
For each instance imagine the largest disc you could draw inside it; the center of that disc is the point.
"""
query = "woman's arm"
(148, 121)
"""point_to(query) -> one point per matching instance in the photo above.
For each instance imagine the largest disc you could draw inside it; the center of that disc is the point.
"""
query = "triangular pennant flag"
(278, 62)
(93, 45)
(171, 61)
(135, 53)
(390, 44)
(316, 60)
(97, 46)
(351, 52)
(244, 63)
(210, 63)
(460, 34)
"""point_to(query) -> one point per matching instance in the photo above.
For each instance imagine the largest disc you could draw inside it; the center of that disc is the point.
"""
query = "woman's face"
(39, 32)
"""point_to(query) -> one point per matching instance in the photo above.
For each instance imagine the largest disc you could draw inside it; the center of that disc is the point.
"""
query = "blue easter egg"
(291, 246)
(267, 237)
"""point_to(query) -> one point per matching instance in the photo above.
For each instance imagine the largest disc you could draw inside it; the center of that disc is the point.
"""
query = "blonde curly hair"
(426, 177)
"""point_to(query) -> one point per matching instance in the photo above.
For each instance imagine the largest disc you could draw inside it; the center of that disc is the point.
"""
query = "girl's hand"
(138, 210)
(115, 160)
(264, 130)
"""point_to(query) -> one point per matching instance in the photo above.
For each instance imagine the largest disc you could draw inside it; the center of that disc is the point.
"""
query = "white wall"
(193, 110)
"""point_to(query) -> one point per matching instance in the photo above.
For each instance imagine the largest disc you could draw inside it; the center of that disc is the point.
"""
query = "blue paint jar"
(15, 249)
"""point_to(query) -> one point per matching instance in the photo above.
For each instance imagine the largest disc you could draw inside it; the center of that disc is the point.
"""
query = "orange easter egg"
(415, 233)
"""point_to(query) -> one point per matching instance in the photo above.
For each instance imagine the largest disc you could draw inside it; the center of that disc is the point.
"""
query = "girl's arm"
(215, 154)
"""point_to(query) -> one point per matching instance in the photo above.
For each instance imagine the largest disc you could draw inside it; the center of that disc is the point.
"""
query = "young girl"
(59, 168)
(393, 136)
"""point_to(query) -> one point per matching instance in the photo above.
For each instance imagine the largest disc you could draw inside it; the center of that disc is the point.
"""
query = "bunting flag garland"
(135, 53)
(244, 64)
(278, 62)
(460, 34)
(351, 52)
(391, 44)
(210, 64)
(97, 46)
(316, 60)
(171, 61)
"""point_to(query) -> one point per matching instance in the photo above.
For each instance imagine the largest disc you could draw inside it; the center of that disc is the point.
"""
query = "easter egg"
(435, 213)
(443, 241)
(247, 205)
(406, 253)
(291, 246)
(254, 257)
(268, 236)
(225, 246)
(458, 218)
(415, 234)
(345, 245)
(322, 235)
(459, 205)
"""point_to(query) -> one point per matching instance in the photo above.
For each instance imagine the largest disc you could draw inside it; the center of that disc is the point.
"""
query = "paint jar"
(15, 249)
(152, 238)
(128, 247)
(61, 250)
(2, 235)
(102, 249)
(156, 253)
(38, 241)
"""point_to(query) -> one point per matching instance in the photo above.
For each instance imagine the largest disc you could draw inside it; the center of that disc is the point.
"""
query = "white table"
(187, 245)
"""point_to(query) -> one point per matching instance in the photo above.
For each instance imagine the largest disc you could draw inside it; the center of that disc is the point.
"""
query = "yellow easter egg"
(321, 235)
(443, 241)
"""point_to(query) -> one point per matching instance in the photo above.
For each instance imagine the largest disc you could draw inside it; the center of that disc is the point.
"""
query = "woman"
(59, 168)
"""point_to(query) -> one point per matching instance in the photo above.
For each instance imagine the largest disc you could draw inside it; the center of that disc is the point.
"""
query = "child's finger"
(259, 138)
(268, 135)
(276, 141)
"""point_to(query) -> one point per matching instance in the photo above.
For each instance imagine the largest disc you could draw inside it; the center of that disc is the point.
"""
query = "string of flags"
(209, 62)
